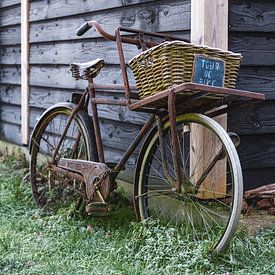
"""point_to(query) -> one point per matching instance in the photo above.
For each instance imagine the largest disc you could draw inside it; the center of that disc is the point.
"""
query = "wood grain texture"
(258, 120)
(66, 53)
(10, 132)
(257, 79)
(159, 16)
(8, 3)
(77, 51)
(10, 35)
(25, 69)
(112, 132)
(11, 15)
(209, 26)
(252, 16)
(46, 97)
(257, 48)
(10, 74)
(152, 17)
(257, 151)
(60, 8)
(59, 76)
(10, 94)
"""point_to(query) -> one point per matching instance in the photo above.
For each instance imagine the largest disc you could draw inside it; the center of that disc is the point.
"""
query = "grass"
(32, 242)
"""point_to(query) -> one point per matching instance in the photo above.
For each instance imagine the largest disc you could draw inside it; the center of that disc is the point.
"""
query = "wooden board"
(64, 53)
(209, 27)
(258, 120)
(257, 151)
(60, 8)
(10, 132)
(46, 97)
(10, 35)
(256, 79)
(160, 16)
(112, 131)
(257, 48)
(25, 70)
(8, 3)
(251, 16)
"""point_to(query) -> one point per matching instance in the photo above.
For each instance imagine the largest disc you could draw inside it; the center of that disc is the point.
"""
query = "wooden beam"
(209, 23)
(25, 71)
(209, 26)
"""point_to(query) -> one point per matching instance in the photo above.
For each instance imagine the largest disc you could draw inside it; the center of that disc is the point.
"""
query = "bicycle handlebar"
(89, 24)
(82, 29)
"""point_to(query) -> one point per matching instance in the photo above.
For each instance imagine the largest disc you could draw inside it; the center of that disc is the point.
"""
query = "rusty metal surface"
(123, 65)
(175, 143)
(96, 176)
(66, 172)
(107, 101)
(197, 94)
(98, 138)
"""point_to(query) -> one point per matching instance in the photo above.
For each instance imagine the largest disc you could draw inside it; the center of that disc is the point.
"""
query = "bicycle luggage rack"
(198, 98)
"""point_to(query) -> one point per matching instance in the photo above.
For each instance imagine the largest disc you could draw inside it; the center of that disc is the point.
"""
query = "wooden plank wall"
(53, 45)
(252, 32)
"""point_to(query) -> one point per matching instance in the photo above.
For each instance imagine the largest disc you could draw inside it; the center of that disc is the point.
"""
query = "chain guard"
(96, 176)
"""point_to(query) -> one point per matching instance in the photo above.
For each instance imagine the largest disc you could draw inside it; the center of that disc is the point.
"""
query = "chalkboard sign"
(208, 71)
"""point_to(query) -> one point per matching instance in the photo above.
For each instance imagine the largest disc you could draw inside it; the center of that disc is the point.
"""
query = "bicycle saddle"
(86, 70)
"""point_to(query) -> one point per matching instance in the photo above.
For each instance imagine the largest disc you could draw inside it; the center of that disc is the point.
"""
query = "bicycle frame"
(129, 101)
(168, 148)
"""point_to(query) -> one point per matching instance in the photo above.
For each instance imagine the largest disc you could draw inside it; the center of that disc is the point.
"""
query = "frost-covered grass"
(32, 242)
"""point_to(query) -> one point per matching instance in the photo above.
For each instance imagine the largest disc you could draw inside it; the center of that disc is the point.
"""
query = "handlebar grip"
(82, 29)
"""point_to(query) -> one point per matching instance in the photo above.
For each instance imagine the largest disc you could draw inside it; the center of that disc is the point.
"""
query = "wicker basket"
(171, 63)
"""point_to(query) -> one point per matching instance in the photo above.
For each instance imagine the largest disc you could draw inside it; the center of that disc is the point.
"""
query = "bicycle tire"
(45, 136)
(144, 172)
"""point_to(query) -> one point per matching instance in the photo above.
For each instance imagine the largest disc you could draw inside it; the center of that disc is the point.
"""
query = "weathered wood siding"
(252, 32)
(53, 45)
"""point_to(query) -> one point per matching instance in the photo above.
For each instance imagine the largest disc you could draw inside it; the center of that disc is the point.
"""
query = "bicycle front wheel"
(52, 190)
(211, 210)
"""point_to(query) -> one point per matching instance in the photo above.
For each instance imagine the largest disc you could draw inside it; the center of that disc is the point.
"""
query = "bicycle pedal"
(97, 209)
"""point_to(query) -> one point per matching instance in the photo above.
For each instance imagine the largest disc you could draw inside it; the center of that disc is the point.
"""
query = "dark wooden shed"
(53, 45)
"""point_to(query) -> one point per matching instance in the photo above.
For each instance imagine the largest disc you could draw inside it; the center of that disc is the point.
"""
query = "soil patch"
(256, 220)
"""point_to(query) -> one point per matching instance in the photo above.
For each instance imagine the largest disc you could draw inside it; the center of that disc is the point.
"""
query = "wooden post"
(209, 26)
(25, 71)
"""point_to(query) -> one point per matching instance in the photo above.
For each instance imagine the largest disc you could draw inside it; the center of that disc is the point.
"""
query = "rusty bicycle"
(175, 178)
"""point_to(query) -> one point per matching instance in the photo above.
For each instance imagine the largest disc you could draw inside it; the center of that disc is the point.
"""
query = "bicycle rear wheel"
(211, 211)
(52, 190)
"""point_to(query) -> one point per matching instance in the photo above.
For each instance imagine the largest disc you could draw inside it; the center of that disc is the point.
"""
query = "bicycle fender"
(68, 105)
